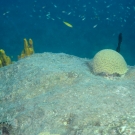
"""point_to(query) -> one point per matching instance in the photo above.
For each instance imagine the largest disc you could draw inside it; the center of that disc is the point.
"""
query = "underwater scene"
(79, 27)
(67, 67)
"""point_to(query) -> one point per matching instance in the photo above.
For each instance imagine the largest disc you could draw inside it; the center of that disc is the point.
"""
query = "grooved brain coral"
(109, 62)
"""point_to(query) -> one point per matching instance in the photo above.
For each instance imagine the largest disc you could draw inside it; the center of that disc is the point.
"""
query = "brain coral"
(109, 62)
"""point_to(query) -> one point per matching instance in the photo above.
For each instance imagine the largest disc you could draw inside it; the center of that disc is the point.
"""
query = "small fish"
(68, 24)
(83, 19)
(6, 13)
(69, 13)
(95, 26)
(119, 42)
(55, 6)
(108, 6)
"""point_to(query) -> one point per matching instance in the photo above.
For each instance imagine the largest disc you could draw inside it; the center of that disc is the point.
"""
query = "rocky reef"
(57, 94)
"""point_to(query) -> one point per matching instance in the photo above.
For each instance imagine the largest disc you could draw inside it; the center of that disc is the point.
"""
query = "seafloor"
(57, 94)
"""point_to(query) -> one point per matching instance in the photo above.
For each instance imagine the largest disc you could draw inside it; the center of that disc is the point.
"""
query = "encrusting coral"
(4, 59)
(28, 48)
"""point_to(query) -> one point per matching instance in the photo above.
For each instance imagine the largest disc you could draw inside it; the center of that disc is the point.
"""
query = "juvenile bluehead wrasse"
(68, 24)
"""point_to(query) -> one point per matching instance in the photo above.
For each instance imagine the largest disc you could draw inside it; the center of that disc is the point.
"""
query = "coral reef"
(55, 93)
(109, 62)
(28, 48)
(4, 59)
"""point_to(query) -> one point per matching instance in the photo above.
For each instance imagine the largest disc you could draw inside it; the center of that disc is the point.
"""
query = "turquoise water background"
(96, 25)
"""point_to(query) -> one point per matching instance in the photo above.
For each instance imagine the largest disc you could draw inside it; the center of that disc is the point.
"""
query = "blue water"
(96, 25)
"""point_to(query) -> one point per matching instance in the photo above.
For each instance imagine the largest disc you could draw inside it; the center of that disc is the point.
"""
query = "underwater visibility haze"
(77, 27)
(80, 79)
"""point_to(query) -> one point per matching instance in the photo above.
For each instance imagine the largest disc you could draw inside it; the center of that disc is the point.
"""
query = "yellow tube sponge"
(4, 59)
(0, 63)
(28, 48)
(109, 62)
